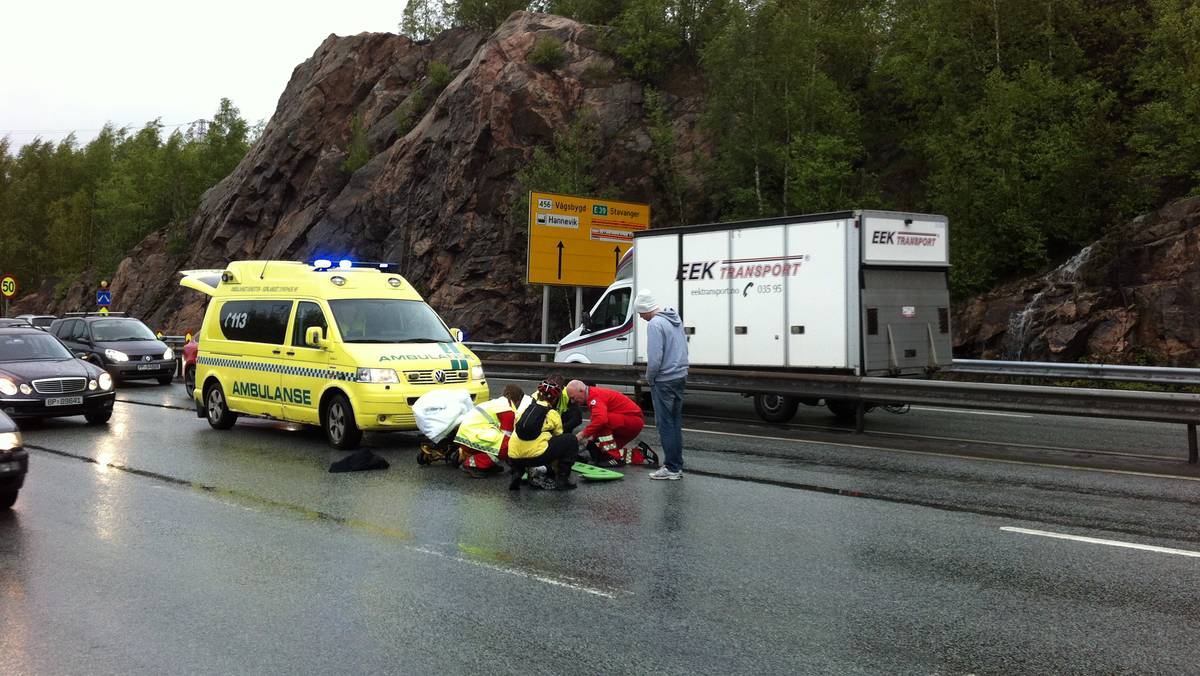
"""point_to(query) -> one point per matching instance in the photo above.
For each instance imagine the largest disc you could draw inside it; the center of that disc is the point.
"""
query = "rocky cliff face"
(436, 198)
(1131, 297)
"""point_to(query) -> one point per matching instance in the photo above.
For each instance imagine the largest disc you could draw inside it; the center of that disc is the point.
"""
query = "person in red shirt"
(616, 421)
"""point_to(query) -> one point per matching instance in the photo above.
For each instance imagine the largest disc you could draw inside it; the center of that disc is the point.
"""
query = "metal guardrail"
(1157, 375)
(513, 348)
(1165, 407)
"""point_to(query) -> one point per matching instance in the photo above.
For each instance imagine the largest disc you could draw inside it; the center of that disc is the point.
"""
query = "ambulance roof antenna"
(264, 270)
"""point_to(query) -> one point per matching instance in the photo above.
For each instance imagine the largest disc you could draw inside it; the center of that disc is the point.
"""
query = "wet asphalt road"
(158, 545)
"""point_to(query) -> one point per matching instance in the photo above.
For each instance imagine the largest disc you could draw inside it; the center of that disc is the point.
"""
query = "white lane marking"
(971, 412)
(557, 582)
(947, 455)
(1098, 541)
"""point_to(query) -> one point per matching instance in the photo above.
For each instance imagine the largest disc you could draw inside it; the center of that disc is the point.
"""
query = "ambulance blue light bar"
(325, 264)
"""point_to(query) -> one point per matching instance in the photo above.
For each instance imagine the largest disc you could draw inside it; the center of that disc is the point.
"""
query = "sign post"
(8, 289)
(578, 241)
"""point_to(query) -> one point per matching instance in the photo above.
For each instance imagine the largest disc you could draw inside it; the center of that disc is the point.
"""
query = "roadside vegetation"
(65, 208)
(1033, 124)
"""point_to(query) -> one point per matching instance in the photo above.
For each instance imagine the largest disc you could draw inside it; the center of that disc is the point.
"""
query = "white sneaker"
(664, 474)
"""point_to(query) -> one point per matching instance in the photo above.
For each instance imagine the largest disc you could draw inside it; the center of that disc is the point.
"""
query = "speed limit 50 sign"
(8, 286)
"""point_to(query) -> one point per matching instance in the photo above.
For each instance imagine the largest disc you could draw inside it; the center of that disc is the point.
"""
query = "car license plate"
(147, 367)
(6, 467)
(64, 401)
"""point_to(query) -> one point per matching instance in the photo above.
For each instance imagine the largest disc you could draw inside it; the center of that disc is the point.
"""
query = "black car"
(123, 346)
(40, 378)
(14, 462)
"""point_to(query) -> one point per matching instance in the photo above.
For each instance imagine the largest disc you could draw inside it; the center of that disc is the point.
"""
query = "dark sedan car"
(123, 346)
(40, 378)
(14, 462)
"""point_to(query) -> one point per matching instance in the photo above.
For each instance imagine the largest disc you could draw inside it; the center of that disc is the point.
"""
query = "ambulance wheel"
(338, 422)
(219, 415)
(775, 408)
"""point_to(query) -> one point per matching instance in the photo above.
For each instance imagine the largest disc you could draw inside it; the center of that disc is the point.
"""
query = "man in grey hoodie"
(666, 371)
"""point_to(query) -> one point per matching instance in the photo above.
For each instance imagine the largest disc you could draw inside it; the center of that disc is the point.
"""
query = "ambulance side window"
(307, 315)
(256, 321)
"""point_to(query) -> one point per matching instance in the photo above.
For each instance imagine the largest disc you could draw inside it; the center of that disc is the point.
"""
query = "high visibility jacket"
(519, 449)
(487, 426)
(604, 404)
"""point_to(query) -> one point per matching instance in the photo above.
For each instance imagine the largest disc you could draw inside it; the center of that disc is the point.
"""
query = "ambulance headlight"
(116, 355)
(10, 440)
(377, 376)
(7, 387)
(338, 280)
(394, 282)
(476, 373)
(169, 354)
(105, 381)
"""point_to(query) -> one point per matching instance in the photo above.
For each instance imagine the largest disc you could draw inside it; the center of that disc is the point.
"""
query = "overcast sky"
(76, 65)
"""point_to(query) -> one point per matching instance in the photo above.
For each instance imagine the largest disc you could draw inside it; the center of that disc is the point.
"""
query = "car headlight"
(92, 384)
(105, 381)
(116, 355)
(476, 373)
(377, 376)
(7, 387)
(10, 440)
(25, 389)
(169, 354)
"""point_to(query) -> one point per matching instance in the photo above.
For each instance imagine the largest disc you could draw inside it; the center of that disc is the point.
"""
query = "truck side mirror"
(587, 322)
(458, 335)
(314, 337)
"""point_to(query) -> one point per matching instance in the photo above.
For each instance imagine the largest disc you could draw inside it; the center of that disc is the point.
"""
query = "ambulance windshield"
(380, 320)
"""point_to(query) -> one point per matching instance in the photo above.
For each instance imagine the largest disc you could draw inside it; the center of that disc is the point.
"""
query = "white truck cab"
(606, 334)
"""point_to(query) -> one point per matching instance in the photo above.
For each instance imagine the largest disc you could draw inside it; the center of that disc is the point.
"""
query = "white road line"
(945, 455)
(1098, 541)
(557, 582)
(971, 412)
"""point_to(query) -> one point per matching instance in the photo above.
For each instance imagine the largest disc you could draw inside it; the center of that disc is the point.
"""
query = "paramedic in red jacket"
(616, 419)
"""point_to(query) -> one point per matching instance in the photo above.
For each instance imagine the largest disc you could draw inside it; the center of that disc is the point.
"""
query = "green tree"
(484, 14)
(424, 19)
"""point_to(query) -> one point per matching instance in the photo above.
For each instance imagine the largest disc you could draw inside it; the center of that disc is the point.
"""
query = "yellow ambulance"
(344, 345)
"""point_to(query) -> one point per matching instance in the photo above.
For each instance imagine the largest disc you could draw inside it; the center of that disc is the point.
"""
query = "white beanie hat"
(644, 302)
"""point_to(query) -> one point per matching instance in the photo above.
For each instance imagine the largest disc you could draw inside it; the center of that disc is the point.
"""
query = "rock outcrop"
(1131, 297)
(435, 198)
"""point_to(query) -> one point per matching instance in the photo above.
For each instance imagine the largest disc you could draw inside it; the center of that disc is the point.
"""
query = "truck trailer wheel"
(775, 408)
(842, 409)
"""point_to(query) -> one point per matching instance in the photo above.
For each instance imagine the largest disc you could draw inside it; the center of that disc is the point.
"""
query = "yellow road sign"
(577, 241)
(8, 286)
(103, 310)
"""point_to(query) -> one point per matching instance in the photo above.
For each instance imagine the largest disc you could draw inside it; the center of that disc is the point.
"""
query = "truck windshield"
(30, 347)
(382, 320)
(115, 330)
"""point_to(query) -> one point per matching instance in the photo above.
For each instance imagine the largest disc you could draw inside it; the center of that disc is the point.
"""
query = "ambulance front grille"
(430, 377)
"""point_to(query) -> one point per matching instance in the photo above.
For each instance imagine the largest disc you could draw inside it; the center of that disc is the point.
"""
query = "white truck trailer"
(852, 293)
